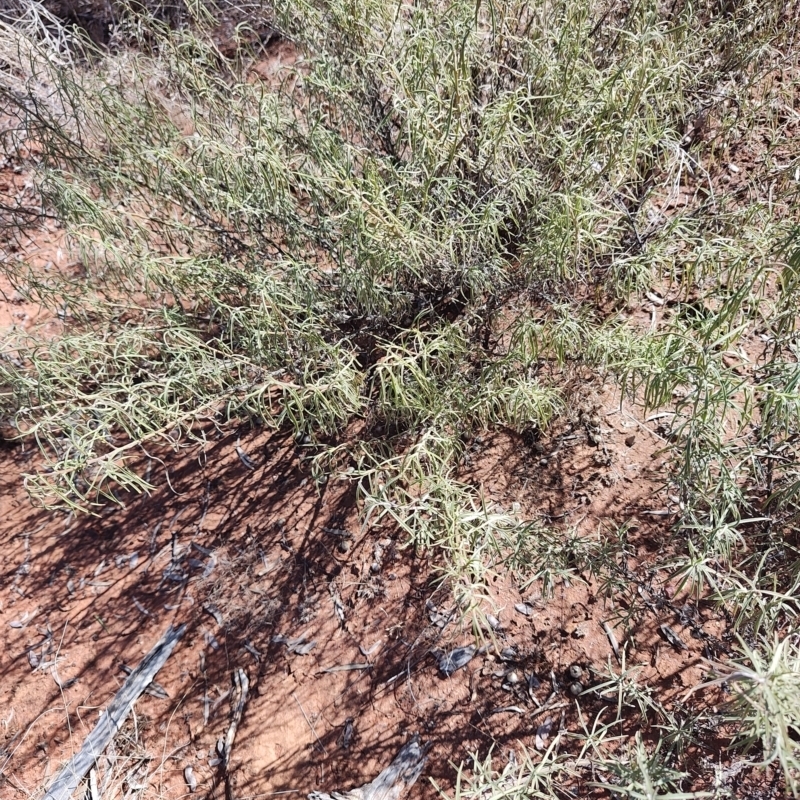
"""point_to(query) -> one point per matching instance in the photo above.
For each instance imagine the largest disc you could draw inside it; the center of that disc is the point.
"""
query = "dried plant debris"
(214, 612)
(396, 779)
(543, 733)
(247, 462)
(368, 651)
(510, 653)
(62, 684)
(345, 668)
(672, 637)
(612, 639)
(248, 645)
(348, 732)
(300, 645)
(24, 620)
(438, 617)
(140, 608)
(508, 710)
(494, 623)
(191, 780)
(338, 605)
(378, 554)
(113, 716)
(450, 662)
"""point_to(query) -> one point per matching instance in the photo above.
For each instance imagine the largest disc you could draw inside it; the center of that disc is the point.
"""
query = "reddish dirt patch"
(261, 550)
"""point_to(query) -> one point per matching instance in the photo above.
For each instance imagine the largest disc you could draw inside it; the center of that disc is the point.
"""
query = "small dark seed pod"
(576, 688)
(575, 672)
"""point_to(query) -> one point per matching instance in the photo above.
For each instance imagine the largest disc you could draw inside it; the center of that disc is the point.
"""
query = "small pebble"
(576, 688)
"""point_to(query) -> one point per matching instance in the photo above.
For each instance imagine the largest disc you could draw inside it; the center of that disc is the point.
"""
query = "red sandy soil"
(260, 549)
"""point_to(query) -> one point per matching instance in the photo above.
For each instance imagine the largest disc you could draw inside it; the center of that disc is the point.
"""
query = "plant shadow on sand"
(261, 564)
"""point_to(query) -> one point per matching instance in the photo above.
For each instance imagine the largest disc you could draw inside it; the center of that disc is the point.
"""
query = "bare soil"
(243, 556)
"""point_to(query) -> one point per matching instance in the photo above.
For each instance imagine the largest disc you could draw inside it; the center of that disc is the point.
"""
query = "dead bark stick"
(241, 687)
(111, 719)
(392, 782)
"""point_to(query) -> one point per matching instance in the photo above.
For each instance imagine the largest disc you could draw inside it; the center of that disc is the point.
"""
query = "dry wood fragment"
(241, 688)
(154, 689)
(392, 782)
(239, 692)
(508, 710)
(672, 637)
(612, 639)
(112, 718)
(345, 668)
(94, 792)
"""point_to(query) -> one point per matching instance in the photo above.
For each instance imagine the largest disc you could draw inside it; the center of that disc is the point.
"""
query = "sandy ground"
(243, 557)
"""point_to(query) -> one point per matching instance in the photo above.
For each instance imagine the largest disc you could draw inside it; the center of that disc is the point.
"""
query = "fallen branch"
(239, 693)
(392, 782)
(241, 687)
(112, 718)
